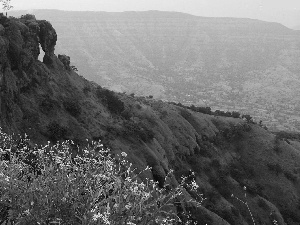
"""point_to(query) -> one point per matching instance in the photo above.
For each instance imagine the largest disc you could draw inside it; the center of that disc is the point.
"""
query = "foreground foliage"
(53, 185)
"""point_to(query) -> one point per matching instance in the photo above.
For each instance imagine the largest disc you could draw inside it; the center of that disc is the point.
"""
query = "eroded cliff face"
(20, 69)
(48, 101)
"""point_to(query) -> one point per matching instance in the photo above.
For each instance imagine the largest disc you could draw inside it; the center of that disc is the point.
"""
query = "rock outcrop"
(20, 42)
(48, 101)
(48, 38)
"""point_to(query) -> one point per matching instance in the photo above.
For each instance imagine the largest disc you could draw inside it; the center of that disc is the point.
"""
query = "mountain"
(243, 65)
(296, 27)
(49, 101)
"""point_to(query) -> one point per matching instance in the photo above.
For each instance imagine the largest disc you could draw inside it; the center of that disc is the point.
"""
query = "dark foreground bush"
(56, 132)
(275, 167)
(72, 106)
(90, 188)
(109, 98)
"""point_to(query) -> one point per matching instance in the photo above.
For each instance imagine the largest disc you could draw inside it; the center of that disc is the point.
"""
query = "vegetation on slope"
(49, 101)
(50, 184)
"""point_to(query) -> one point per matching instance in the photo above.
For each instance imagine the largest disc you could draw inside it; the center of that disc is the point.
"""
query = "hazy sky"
(284, 11)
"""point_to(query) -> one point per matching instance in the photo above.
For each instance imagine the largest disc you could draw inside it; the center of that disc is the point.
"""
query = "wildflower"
(27, 212)
(6, 178)
(145, 196)
(124, 154)
(194, 185)
(148, 168)
(96, 216)
(128, 206)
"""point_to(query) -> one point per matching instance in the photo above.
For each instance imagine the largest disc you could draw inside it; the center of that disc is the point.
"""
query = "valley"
(244, 65)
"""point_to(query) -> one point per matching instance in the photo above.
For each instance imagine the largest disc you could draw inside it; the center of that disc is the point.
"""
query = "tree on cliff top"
(6, 5)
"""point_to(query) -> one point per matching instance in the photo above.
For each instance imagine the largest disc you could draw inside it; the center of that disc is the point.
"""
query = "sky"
(286, 12)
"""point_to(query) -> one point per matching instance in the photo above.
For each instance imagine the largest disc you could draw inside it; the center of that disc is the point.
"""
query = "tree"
(6, 5)
(248, 118)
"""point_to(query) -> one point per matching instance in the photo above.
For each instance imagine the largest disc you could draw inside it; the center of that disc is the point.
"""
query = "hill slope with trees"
(230, 156)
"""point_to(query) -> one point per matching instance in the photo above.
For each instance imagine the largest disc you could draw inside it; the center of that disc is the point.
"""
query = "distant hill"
(227, 63)
(49, 101)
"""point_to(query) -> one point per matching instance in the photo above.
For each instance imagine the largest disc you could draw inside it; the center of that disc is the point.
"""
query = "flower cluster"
(51, 184)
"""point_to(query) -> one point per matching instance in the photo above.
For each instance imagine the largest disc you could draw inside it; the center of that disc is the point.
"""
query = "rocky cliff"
(49, 101)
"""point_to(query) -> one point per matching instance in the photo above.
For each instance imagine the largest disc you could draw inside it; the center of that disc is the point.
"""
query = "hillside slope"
(225, 63)
(49, 101)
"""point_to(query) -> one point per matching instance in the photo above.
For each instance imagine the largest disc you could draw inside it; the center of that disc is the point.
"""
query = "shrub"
(138, 106)
(90, 188)
(200, 216)
(221, 186)
(65, 60)
(275, 167)
(137, 129)
(290, 176)
(248, 118)
(290, 217)
(281, 135)
(276, 146)
(74, 68)
(262, 204)
(86, 90)
(112, 102)
(240, 171)
(48, 104)
(228, 216)
(72, 106)
(56, 132)
(215, 164)
(28, 17)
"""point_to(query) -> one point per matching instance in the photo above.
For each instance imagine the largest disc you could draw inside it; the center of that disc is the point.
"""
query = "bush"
(215, 164)
(248, 118)
(72, 106)
(275, 167)
(86, 90)
(48, 104)
(262, 204)
(56, 132)
(28, 17)
(132, 129)
(90, 188)
(228, 215)
(74, 68)
(239, 171)
(112, 102)
(65, 60)
(290, 176)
